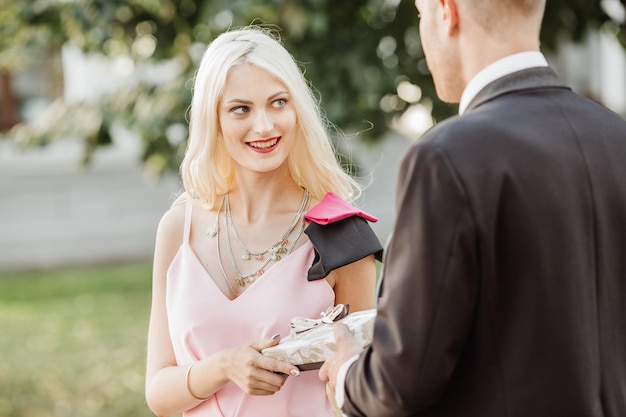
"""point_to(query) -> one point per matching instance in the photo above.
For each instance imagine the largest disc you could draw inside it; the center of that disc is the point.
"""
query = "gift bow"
(303, 324)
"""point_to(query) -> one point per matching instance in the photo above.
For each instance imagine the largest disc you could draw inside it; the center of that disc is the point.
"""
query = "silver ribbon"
(333, 314)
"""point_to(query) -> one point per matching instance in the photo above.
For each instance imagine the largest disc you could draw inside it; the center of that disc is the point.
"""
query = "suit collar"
(539, 77)
(497, 69)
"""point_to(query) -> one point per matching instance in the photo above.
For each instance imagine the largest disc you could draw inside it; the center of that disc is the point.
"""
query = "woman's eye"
(240, 109)
(281, 102)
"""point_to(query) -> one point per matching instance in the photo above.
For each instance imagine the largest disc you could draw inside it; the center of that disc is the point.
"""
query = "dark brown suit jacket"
(505, 279)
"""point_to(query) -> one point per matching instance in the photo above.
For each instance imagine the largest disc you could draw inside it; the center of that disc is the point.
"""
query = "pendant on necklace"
(212, 230)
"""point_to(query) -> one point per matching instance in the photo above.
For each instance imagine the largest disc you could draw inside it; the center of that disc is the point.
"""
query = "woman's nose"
(263, 122)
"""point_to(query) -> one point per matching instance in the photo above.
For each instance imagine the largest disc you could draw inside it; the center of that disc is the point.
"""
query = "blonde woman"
(263, 232)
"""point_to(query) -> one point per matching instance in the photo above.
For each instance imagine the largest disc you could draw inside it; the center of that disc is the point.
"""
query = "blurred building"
(54, 214)
(53, 211)
(595, 68)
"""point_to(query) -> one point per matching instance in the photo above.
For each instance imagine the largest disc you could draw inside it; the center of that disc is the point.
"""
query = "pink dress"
(202, 320)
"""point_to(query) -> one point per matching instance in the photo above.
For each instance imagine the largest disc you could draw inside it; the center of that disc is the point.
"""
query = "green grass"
(73, 343)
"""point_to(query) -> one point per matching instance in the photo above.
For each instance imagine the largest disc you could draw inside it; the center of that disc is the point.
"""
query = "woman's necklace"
(275, 251)
(214, 231)
(277, 248)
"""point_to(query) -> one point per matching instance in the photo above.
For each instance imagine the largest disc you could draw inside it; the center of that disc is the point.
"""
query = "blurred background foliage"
(362, 56)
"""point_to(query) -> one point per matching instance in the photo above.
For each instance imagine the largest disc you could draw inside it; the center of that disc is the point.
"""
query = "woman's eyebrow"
(244, 101)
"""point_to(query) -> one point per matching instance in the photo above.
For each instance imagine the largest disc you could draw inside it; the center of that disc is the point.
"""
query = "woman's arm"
(166, 392)
(355, 284)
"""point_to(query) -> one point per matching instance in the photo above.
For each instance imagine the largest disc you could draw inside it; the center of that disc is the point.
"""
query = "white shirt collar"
(498, 69)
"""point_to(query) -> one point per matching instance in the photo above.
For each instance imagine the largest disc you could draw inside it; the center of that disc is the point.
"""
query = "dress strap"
(187, 227)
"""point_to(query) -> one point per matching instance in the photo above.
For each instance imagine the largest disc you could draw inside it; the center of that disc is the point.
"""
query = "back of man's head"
(500, 16)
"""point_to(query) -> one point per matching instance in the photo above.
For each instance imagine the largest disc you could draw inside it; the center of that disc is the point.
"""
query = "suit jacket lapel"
(539, 77)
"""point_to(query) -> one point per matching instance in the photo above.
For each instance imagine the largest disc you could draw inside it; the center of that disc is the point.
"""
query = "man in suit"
(505, 279)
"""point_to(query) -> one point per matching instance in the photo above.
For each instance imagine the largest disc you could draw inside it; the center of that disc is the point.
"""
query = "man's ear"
(450, 15)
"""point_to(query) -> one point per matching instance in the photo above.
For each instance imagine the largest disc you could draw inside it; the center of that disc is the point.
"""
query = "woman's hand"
(254, 373)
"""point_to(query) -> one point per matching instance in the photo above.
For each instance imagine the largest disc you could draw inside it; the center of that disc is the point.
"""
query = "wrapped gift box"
(309, 348)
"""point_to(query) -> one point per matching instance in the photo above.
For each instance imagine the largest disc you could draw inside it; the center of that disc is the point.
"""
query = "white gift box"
(312, 342)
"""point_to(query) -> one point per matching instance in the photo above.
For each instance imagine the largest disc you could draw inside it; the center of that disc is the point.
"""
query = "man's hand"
(347, 347)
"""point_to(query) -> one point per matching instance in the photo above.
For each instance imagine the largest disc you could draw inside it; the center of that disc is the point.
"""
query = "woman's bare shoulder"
(172, 223)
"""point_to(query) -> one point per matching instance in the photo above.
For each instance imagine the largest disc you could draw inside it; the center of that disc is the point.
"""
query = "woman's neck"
(255, 200)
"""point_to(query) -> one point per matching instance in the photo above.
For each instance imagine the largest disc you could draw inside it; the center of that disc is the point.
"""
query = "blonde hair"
(207, 170)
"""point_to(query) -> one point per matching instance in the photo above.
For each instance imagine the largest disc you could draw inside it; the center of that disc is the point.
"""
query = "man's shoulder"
(457, 130)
